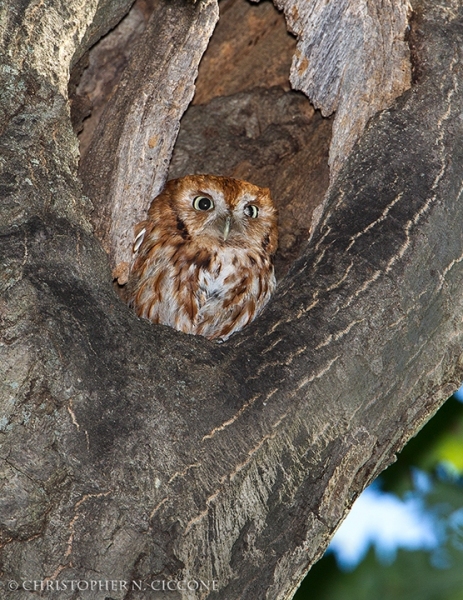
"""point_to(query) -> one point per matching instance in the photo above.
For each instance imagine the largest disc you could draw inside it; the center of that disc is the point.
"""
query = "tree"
(133, 452)
(427, 475)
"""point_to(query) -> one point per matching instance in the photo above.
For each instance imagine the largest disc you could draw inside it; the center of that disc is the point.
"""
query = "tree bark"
(351, 58)
(128, 159)
(132, 452)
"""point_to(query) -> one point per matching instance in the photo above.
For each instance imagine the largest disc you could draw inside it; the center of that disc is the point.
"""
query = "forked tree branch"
(134, 452)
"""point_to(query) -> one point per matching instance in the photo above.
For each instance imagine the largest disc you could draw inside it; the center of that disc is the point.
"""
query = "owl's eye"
(251, 210)
(203, 203)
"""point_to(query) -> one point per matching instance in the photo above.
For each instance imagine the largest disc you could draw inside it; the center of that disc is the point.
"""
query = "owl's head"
(222, 210)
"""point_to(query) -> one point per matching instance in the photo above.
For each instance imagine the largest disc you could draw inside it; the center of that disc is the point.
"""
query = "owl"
(203, 259)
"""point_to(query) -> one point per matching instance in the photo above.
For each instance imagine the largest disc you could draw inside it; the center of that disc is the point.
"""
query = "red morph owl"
(203, 259)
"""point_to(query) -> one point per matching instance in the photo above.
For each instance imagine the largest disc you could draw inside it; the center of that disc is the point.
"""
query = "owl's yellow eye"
(203, 203)
(251, 210)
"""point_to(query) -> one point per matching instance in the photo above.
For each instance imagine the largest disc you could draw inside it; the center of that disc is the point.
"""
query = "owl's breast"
(201, 291)
(231, 291)
(224, 268)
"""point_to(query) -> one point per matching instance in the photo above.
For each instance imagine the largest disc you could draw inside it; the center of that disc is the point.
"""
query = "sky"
(387, 522)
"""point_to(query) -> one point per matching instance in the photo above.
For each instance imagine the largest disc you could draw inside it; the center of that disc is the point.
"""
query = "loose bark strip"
(133, 452)
(352, 59)
(126, 164)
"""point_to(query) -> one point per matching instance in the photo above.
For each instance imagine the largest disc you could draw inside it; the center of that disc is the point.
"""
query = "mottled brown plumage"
(203, 257)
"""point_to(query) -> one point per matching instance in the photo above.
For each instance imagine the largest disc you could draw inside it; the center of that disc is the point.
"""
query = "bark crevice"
(131, 450)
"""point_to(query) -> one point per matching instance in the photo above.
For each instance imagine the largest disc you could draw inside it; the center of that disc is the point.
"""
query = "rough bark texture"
(351, 58)
(133, 452)
(355, 74)
(96, 76)
(126, 163)
(250, 48)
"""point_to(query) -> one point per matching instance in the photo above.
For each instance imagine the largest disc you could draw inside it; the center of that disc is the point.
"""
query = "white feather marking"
(139, 240)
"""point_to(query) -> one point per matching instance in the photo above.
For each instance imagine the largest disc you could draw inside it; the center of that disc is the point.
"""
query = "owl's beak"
(226, 228)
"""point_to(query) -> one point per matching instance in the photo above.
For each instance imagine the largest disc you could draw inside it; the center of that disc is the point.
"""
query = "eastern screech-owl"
(203, 257)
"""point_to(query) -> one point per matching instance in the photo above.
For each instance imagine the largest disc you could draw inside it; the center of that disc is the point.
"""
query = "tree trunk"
(133, 454)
